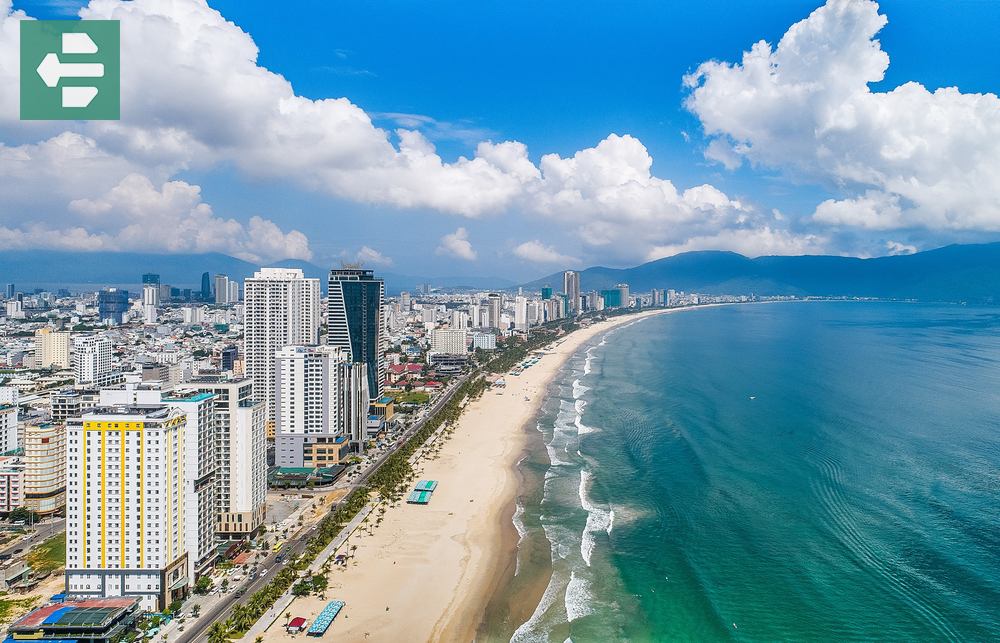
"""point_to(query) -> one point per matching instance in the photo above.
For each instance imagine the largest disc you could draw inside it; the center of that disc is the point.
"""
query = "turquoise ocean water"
(799, 471)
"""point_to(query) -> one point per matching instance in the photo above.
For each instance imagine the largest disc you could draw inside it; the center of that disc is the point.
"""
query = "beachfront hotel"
(356, 321)
(241, 455)
(321, 405)
(281, 308)
(125, 518)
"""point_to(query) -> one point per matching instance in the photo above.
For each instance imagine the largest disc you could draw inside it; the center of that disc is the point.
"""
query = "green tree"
(202, 585)
(218, 633)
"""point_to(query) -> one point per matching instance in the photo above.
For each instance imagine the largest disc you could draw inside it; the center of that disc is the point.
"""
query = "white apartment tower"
(320, 396)
(571, 286)
(150, 301)
(281, 308)
(92, 359)
(200, 471)
(221, 289)
(520, 313)
(125, 504)
(241, 456)
(8, 428)
(494, 306)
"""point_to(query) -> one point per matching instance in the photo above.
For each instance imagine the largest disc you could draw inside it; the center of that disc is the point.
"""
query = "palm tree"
(218, 633)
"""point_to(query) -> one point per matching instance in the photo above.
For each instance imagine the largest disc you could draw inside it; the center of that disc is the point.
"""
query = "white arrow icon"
(51, 70)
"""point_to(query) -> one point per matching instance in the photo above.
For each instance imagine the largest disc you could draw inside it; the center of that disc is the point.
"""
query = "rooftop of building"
(92, 613)
(147, 411)
(189, 395)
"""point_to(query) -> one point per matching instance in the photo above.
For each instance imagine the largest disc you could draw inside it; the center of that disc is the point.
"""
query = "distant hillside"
(953, 273)
(79, 270)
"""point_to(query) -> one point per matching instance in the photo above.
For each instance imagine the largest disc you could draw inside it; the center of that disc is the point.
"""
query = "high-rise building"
(546, 292)
(9, 291)
(459, 319)
(200, 471)
(281, 308)
(44, 468)
(494, 306)
(151, 295)
(8, 428)
(150, 300)
(612, 298)
(52, 348)
(321, 405)
(221, 289)
(520, 313)
(475, 315)
(112, 304)
(571, 286)
(206, 286)
(404, 302)
(234, 292)
(623, 294)
(151, 278)
(241, 456)
(92, 359)
(125, 519)
(355, 321)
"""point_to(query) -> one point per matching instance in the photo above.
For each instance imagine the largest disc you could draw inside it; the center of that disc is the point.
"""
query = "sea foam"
(579, 600)
(598, 519)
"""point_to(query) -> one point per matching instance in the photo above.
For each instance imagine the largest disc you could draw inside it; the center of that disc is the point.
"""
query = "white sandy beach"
(426, 573)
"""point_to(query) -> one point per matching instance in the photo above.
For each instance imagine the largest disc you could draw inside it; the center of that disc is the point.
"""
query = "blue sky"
(560, 78)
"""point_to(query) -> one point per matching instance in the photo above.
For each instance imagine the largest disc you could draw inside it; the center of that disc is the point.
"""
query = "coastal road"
(197, 631)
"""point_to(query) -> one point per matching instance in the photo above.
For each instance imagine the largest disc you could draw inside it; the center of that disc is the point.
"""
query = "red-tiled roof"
(298, 621)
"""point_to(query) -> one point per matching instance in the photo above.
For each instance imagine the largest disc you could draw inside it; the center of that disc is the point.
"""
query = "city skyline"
(674, 171)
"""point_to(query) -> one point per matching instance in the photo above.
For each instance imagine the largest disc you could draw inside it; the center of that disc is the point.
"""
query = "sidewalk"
(280, 606)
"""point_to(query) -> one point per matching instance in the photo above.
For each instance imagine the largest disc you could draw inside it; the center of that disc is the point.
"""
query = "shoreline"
(464, 617)
(430, 572)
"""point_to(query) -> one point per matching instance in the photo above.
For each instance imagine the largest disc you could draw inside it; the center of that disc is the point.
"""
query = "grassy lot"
(49, 556)
(412, 397)
(11, 608)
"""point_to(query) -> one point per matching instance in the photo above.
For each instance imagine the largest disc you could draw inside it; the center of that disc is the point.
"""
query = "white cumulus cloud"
(537, 252)
(908, 158)
(370, 256)
(194, 96)
(457, 245)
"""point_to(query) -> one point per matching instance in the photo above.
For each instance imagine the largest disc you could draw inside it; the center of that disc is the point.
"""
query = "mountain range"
(952, 273)
(53, 269)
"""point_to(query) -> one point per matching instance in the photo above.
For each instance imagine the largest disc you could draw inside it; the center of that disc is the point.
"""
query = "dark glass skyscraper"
(355, 322)
(112, 304)
(151, 278)
(206, 286)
